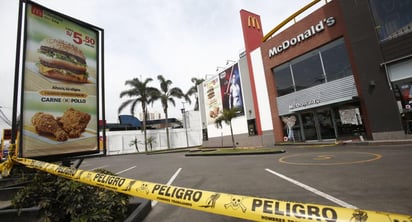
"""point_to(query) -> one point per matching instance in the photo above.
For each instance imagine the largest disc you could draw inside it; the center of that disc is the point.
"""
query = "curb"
(378, 142)
(234, 154)
(346, 143)
(140, 213)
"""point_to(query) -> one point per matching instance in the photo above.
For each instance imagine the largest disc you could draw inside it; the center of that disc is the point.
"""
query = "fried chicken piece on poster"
(74, 122)
(45, 123)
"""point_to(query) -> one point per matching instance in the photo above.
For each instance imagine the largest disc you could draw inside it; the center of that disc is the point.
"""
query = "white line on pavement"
(173, 177)
(126, 170)
(313, 190)
(169, 183)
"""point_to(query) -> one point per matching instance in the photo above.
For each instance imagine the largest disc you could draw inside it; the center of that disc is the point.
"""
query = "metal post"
(185, 124)
(187, 139)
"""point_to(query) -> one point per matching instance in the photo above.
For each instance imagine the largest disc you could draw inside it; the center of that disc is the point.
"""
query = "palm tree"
(226, 116)
(151, 140)
(193, 90)
(139, 93)
(135, 143)
(168, 94)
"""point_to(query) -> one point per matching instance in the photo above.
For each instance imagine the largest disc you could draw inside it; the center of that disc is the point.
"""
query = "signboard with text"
(223, 92)
(213, 99)
(60, 85)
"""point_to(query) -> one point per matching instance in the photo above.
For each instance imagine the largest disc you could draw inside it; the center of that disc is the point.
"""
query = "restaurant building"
(343, 72)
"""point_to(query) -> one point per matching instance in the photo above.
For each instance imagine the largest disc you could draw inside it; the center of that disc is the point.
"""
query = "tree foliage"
(193, 91)
(140, 92)
(226, 116)
(168, 94)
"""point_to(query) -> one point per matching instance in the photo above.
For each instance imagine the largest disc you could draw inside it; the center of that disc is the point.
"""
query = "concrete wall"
(119, 142)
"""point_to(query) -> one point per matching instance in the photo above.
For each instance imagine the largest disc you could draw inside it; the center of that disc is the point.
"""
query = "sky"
(178, 39)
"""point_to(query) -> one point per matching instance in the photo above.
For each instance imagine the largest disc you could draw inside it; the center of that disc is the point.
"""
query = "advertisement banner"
(213, 99)
(231, 89)
(59, 90)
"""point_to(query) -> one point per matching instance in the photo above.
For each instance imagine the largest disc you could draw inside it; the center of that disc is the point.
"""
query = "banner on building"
(213, 99)
(231, 89)
(223, 91)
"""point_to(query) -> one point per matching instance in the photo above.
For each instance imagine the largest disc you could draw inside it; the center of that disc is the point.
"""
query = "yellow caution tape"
(245, 207)
(7, 166)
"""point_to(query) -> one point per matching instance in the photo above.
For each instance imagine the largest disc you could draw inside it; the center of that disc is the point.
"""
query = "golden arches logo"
(253, 22)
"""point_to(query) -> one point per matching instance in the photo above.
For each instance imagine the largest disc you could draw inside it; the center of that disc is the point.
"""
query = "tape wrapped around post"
(233, 205)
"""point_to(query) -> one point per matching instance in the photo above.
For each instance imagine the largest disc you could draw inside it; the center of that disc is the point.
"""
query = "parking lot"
(367, 177)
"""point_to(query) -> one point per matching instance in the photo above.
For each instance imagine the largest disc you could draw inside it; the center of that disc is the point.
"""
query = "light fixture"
(219, 67)
(208, 75)
(227, 61)
(185, 123)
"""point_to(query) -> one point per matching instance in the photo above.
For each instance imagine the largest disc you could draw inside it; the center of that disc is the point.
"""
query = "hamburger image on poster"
(61, 60)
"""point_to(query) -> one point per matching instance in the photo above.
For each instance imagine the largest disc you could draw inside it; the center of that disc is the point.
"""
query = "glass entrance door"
(326, 128)
(309, 126)
(318, 125)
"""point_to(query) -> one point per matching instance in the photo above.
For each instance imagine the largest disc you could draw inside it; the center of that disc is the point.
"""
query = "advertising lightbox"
(223, 91)
(59, 85)
(213, 99)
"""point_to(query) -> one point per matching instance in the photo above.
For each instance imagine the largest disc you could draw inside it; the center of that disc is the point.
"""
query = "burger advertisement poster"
(213, 99)
(223, 92)
(59, 85)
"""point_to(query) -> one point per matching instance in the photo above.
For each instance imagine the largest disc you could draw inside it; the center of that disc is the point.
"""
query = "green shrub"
(62, 199)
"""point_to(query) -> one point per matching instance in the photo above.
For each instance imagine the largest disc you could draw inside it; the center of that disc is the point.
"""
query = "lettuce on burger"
(62, 60)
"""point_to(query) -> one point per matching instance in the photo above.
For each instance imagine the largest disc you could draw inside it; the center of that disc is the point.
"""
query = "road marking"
(126, 170)
(173, 177)
(323, 157)
(329, 156)
(169, 183)
(313, 190)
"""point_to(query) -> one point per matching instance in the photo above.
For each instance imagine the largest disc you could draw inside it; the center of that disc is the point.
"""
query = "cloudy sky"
(178, 39)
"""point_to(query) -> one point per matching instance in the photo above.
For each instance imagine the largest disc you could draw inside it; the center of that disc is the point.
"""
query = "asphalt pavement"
(366, 176)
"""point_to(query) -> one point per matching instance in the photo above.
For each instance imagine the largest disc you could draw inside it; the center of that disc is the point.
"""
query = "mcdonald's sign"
(253, 22)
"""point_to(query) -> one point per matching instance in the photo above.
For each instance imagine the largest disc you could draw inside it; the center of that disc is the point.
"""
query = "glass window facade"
(284, 81)
(348, 121)
(336, 61)
(307, 71)
(403, 95)
(392, 17)
(325, 64)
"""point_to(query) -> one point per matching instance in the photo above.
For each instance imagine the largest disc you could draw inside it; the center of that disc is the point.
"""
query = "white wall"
(118, 142)
(239, 125)
(261, 90)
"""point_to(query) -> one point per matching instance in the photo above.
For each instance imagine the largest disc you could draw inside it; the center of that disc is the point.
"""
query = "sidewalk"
(347, 142)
